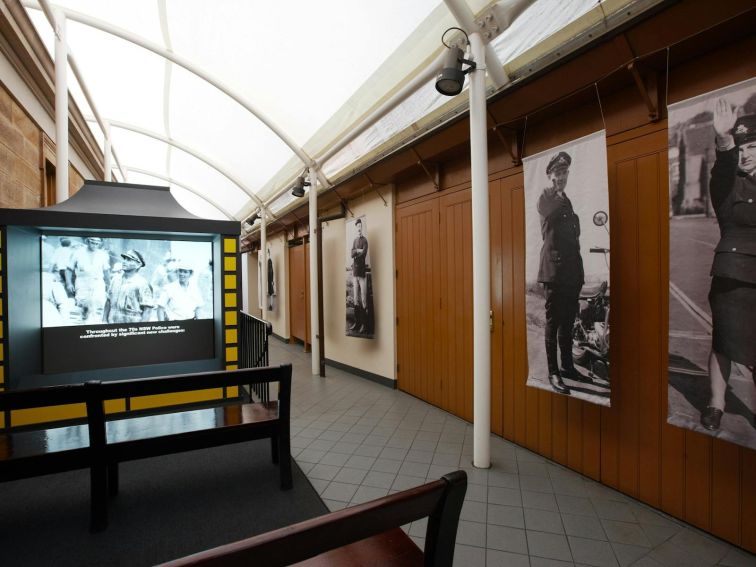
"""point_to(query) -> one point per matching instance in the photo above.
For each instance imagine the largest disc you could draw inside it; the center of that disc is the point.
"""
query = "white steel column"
(314, 291)
(61, 109)
(481, 259)
(264, 267)
(107, 151)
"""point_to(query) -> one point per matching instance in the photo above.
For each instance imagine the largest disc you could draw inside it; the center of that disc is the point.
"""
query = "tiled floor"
(357, 440)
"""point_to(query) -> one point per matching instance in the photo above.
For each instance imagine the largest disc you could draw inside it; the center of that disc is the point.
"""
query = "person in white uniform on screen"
(130, 298)
(87, 279)
(183, 297)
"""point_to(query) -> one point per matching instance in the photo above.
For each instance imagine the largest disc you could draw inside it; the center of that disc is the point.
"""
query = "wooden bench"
(104, 441)
(367, 534)
(43, 449)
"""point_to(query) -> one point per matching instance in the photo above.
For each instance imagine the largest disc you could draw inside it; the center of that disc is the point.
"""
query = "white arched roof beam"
(189, 66)
(183, 186)
(191, 151)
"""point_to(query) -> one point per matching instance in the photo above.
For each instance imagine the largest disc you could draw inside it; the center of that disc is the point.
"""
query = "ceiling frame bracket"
(435, 176)
(647, 88)
(374, 187)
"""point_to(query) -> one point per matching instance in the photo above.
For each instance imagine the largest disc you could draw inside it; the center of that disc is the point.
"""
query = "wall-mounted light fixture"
(451, 79)
(299, 185)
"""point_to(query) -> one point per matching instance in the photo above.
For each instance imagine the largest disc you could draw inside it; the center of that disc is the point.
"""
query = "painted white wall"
(377, 355)
(16, 86)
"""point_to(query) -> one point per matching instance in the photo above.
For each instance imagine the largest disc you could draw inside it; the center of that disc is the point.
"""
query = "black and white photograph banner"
(712, 263)
(567, 269)
(360, 315)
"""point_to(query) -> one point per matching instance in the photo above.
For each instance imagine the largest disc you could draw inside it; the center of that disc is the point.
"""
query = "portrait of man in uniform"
(359, 302)
(567, 286)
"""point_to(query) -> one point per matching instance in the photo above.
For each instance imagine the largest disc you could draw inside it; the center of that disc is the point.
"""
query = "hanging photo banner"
(360, 318)
(260, 280)
(567, 269)
(712, 263)
(270, 285)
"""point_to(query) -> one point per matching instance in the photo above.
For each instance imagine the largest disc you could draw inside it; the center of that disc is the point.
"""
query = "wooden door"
(456, 303)
(299, 313)
(418, 326)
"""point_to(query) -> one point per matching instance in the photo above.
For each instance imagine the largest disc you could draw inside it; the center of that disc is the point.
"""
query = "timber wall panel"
(629, 446)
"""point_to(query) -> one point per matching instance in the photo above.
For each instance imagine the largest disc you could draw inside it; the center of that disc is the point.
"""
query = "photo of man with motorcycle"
(567, 269)
(712, 271)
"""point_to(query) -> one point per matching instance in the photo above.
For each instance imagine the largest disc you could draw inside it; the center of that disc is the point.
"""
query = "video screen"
(110, 302)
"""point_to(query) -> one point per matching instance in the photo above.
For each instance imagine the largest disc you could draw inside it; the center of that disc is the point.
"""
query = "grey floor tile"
(575, 505)
(340, 491)
(495, 558)
(505, 496)
(647, 562)
(505, 466)
(319, 485)
(360, 462)
(543, 521)
(506, 480)
(367, 451)
(395, 453)
(419, 456)
(331, 435)
(569, 486)
(738, 558)
(477, 493)
(310, 455)
(323, 472)
(628, 554)
(474, 511)
(583, 526)
(611, 510)
(469, 556)
(368, 493)
(414, 469)
(378, 479)
(437, 471)
(543, 562)
(535, 483)
(539, 500)
(344, 447)
(475, 476)
(505, 538)
(350, 476)
(510, 516)
(445, 459)
(386, 465)
(334, 505)
(531, 468)
(592, 552)
(550, 546)
(625, 532)
(471, 533)
(705, 547)
(337, 459)
(402, 482)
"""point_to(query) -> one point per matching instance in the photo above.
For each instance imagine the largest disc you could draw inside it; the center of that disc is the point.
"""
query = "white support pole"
(481, 259)
(314, 291)
(107, 151)
(61, 109)
(264, 267)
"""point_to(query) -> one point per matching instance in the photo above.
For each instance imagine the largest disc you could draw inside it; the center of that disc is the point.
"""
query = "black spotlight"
(451, 79)
(298, 189)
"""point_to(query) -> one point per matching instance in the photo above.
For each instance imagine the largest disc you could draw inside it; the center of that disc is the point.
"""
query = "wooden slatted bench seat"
(170, 431)
(367, 534)
(45, 448)
(104, 441)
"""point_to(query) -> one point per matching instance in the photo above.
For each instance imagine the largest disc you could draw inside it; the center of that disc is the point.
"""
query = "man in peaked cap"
(732, 296)
(560, 270)
(130, 297)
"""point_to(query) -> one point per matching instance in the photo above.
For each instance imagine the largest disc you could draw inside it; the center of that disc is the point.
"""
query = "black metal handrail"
(253, 351)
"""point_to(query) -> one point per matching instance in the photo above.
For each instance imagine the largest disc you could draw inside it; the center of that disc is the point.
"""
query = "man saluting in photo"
(560, 270)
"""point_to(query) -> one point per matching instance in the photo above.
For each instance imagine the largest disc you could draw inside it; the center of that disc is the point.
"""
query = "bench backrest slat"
(43, 397)
(441, 500)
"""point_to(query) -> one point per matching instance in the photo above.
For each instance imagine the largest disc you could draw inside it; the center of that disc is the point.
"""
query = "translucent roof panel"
(298, 76)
